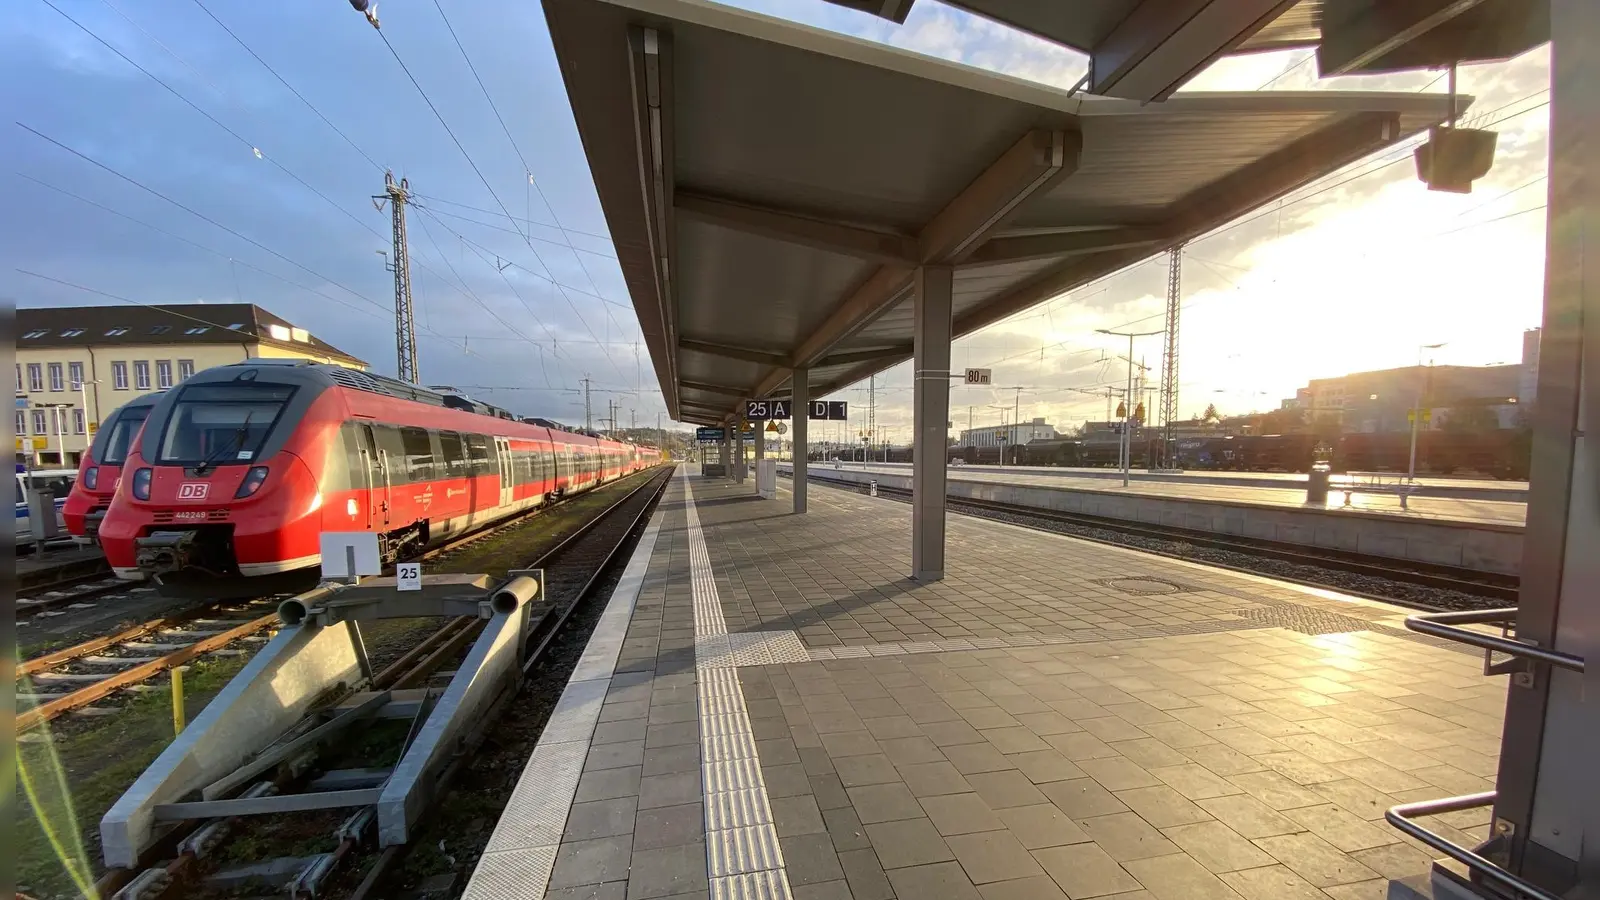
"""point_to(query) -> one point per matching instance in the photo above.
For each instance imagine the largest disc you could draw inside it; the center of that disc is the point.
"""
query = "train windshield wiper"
(238, 441)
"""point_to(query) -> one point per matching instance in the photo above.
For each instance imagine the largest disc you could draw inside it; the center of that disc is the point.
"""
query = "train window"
(214, 423)
(119, 437)
(480, 455)
(418, 450)
(454, 455)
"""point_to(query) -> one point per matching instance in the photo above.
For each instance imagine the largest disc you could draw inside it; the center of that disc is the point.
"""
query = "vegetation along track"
(98, 756)
(1418, 585)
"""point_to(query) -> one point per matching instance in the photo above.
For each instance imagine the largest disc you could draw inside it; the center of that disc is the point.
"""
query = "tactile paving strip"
(743, 858)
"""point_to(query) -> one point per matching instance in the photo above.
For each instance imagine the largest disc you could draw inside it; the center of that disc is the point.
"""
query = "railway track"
(79, 676)
(573, 568)
(46, 600)
(1498, 590)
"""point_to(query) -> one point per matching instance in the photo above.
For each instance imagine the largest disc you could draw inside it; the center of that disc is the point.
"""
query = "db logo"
(193, 490)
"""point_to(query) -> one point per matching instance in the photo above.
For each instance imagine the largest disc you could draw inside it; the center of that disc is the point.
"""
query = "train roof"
(303, 371)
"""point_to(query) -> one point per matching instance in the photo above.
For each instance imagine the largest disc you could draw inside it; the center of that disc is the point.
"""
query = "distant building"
(1007, 435)
(76, 364)
(1383, 400)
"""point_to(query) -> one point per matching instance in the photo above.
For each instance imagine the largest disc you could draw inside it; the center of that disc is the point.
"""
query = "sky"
(241, 167)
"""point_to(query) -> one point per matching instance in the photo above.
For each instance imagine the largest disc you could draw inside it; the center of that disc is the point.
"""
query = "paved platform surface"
(1477, 488)
(770, 709)
(1443, 509)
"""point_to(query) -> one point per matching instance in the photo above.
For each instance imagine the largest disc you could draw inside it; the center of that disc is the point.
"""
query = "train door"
(502, 448)
(376, 473)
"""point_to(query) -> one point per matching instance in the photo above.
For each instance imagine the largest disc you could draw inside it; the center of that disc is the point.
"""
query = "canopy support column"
(800, 403)
(931, 354)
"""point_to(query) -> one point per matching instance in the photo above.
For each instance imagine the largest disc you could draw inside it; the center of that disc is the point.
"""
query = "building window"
(72, 332)
(22, 422)
(119, 375)
(163, 373)
(185, 368)
(35, 377)
(55, 377)
(40, 423)
(116, 332)
(75, 375)
(141, 375)
(161, 329)
(198, 329)
(36, 333)
(19, 378)
(77, 421)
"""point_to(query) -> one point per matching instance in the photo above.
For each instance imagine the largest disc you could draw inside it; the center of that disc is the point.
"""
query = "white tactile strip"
(743, 857)
(522, 851)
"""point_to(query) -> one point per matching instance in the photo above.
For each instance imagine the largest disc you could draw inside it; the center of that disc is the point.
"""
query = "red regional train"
(241, 468)
(101, 468)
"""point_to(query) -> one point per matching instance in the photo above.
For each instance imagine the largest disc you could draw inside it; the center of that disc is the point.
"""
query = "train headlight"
(253, 480)
(91, 477)
(141, 483)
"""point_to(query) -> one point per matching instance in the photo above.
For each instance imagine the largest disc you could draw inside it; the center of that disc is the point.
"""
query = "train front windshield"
(222, 424)
(119, 437)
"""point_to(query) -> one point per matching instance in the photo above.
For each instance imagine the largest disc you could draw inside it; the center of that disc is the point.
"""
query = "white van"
(59, 481)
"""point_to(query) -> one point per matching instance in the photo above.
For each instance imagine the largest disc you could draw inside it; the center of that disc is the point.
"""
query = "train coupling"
(166, 551)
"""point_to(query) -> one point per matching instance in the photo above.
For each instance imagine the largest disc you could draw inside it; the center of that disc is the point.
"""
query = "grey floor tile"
(601, 818)
(1342, 829)
(875, 768)
(829, 890)
(1315, 860)
(669, 790)
(669, 826)
(884, 803)
(608, 784)
(625, 730)
(811, 859)
(933, 779)
(911, 750)
(1218, 847)
(845, 829)
(615, 756)
(777, 751)
(850, 743)
(1275, 790)
(992, 856)
(970, 759)
(897, 726)
(1271, 883)
(1395, 860)
(787, 781)
(1377, 889)
(1041, 826)
(1195, 781)
(939, 881)
(865, 876)
(910, 842)
(1082, 798)
(591, 862)
(1084, 870)
(671, 735)
(816, 761)
(1014, 739)
(667, 760)
(1149, 753)
(1177, 877)
(1043, 766)
(1162, 806)
(1039, 887)
(952, 733)
(827, 789)
(1001, 790)
(668, 872)
(797, 815)
(1125, 836)
(960, 814)
(1248, 816)
(613, 890)
(1118, 774)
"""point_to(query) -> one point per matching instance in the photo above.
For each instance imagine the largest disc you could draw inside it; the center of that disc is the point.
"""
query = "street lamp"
(1127, 399)
(1000, 435)
(61, 434)
(1416, 409)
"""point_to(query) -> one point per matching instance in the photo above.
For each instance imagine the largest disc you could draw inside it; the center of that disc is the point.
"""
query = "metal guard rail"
(1444, 625)
(1401, 816)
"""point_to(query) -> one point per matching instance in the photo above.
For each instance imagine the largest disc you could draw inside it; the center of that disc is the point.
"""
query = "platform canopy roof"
(771, 187)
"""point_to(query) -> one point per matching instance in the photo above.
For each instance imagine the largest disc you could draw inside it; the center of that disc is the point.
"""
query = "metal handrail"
(1443, 625)
(1401, 816)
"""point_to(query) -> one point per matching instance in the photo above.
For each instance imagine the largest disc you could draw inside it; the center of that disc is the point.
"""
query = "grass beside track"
(90, 761)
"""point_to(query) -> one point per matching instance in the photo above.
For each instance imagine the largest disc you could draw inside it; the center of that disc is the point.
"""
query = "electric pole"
(588, 422)
(1127, 399)
(1169, 357)
(405, 330)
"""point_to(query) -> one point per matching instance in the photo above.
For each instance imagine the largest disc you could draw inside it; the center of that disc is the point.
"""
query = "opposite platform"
(770, 709)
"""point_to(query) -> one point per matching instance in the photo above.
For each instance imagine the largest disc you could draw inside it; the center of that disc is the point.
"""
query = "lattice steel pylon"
(405, 329)
(1169, 357)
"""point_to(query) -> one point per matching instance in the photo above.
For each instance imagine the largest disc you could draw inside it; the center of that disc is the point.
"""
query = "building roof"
(186, 323)
(777, 224)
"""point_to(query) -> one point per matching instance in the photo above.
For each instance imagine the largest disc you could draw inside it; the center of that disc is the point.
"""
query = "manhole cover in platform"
(1143, 586)
(1305, 620)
